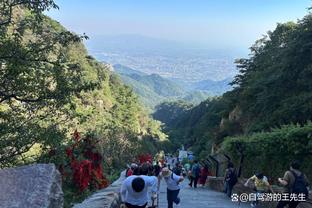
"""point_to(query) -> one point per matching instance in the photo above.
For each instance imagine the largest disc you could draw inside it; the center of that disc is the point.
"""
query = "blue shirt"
(190, 157)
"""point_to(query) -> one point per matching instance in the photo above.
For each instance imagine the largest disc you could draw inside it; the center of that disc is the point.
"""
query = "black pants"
(228, 189)
(172, 197)
(135, 206)
(291, 204)
(194, 180)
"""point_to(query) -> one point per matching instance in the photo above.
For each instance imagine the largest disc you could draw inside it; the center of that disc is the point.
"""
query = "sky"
(210, 23)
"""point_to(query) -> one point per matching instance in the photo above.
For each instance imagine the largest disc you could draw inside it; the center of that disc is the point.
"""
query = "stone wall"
(215, 183)
(32, 186)
(105, 198)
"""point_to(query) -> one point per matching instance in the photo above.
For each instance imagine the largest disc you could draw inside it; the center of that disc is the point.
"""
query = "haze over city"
(178, 39)
(214, 24)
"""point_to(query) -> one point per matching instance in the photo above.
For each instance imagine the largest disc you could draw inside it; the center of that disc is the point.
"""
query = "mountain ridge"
(154, 89)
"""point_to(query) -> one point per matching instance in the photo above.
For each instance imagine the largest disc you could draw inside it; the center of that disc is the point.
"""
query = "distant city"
(169, 60)
(187, 69)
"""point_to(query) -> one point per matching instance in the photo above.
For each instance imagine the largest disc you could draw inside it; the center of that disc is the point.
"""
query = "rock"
(235, 114)
(121, 178)
(32, 186)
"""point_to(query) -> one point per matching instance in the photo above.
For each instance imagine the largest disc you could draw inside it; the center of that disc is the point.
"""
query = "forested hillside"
(154, 89)
(50, 88)
(214, 87)
(168, 112)
(273, 89)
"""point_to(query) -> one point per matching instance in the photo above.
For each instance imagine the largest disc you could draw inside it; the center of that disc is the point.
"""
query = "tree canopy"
(50, 86)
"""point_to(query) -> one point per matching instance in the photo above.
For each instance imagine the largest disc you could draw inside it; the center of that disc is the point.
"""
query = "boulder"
(32, 186)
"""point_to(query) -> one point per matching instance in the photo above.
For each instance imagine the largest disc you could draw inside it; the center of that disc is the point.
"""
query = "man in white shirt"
(173, 185)
(134, 190)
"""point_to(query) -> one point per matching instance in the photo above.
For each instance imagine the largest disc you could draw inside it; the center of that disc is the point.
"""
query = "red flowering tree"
(143, 158)
(84, 167)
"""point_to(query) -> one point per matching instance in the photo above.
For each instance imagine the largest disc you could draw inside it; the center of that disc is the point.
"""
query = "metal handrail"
(217, 164)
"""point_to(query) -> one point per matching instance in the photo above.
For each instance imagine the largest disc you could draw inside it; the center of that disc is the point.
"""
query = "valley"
(154, 89)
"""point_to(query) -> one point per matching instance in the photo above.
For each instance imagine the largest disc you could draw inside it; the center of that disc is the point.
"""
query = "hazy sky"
(215, 23)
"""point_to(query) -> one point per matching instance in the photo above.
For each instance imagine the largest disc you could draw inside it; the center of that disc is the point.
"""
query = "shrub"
(271, 152)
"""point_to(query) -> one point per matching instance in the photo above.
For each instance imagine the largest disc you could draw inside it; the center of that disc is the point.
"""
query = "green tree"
(37, 76)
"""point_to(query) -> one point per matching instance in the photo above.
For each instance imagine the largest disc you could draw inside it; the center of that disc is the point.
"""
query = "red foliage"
(87, 171)
(69, 152)
(143, 158)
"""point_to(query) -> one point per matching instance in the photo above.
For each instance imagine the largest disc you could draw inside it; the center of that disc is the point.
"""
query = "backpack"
(196, 170)
(232, 177)
(299, 186)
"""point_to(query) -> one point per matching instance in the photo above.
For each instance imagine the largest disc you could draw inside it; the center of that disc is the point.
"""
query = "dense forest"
(154, 89)
(59, 105)
(267, 113)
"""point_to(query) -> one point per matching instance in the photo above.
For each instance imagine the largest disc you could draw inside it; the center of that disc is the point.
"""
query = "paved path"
(199, 198)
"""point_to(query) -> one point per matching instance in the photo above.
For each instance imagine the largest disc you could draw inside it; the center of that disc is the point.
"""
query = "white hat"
(165, 172)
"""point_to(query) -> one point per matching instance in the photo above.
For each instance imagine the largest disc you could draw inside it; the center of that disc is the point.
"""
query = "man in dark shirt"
(288, 182)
